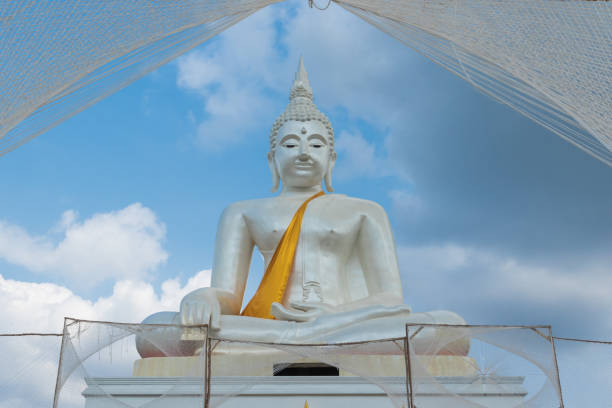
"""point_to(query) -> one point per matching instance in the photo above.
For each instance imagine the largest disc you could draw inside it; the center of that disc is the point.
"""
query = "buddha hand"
(300, 311)
(201, 307)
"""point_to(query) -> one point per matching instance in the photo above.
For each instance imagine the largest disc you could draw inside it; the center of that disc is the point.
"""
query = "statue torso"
(326, 267)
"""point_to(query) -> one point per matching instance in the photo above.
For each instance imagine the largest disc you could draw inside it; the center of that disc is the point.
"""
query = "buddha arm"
(378, 258)
(232, 259)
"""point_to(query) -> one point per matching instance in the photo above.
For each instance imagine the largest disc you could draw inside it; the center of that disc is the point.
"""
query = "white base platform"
(292, 392)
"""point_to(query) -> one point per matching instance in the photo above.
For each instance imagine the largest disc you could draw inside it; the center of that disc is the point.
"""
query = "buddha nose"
(304, 152)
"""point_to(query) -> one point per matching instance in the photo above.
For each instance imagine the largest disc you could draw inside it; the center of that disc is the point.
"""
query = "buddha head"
(302, 141)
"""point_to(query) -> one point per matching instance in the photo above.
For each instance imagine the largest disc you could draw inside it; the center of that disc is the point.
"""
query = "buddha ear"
(274, 171)
(330, 169)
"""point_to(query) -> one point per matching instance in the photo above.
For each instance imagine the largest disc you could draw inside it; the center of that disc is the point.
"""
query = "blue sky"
(116, 209)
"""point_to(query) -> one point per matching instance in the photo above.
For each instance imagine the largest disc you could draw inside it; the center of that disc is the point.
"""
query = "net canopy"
(518, 362)
(586, 372)
(548, 59)
(58, 58)
(27, 375)
(98, 363)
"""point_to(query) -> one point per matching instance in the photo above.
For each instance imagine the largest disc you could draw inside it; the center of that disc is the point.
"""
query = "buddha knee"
(450, 340)
(163, 341)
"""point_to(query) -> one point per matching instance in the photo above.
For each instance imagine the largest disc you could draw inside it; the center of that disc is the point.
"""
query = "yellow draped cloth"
(272, 286)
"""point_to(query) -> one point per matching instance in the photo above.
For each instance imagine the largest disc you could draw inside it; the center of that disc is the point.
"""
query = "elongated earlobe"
(328, 175)
(274, 171)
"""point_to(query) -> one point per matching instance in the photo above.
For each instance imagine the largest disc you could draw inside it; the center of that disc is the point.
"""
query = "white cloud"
(473, 279)
(41, 307)
(434, 259)
(114, 245)
(352, 64)
(234, 80)
(409, 205)
(358, 158)
(197, 73)
(29, 306)
(491, 288)
(239, 75)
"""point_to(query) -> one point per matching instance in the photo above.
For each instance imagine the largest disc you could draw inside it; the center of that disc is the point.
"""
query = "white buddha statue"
(334, 279)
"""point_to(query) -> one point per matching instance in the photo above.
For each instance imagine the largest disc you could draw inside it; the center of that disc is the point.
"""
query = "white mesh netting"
(58, 58)
(97, 358)
(518, 363)
(28, 370)
(99, 366)
(548, 59)
(585, 368)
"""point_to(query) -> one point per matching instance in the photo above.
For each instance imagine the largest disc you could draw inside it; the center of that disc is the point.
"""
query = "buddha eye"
(316, 145)
(290, 145)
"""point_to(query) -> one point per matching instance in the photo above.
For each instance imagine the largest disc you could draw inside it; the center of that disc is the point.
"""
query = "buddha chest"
(328, 235)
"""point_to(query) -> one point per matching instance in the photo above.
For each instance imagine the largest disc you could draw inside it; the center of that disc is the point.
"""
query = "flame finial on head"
(301, 107)
(301, 85)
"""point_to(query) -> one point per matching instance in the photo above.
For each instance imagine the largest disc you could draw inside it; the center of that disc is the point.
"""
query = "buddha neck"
(288, 191)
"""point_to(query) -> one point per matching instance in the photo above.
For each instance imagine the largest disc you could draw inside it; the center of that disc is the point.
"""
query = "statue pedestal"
(235, 359)
(244, 374)
(287, 392)
(254, 365)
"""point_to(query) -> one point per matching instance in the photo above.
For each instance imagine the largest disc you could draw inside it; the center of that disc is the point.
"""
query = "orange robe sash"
(274, 282)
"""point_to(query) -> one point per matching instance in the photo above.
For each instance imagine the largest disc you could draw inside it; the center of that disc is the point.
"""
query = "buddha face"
(302, 156)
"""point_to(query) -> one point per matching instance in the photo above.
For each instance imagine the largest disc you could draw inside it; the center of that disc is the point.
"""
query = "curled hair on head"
(287, 116)
(301, 108)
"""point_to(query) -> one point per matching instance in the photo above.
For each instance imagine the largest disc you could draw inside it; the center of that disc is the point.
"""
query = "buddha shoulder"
(249, 208)
(365, 208)
(354, 203)
(337, 203)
